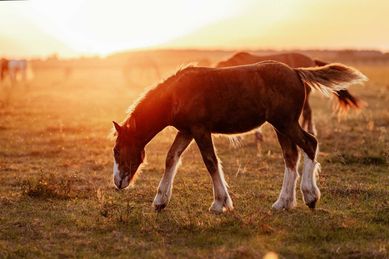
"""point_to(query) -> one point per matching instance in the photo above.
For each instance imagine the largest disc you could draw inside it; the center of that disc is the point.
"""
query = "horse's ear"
(117, 126)
(131, 124)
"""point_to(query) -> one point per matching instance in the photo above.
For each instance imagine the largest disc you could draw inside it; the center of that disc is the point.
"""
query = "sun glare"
(99, 27)
(103, 27)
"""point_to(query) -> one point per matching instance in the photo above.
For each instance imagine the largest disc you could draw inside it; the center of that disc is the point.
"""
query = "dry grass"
(57, 196)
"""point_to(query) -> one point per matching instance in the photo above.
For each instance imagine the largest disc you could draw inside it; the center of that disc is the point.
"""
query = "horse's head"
(128, 155)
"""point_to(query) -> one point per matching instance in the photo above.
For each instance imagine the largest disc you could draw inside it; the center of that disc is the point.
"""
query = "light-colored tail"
(330, 78)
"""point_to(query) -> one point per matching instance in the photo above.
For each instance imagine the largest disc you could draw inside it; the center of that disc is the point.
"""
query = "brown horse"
(345, 99)
(199, 101)
(3, 68)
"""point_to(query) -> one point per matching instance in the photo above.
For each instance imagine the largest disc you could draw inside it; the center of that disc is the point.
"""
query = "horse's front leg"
(222, 200)
(181, 142)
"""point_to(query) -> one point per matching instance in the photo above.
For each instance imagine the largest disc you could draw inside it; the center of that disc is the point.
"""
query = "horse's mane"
(150, 91)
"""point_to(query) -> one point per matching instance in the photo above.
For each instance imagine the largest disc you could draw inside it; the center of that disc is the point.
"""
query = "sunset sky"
(89, 27)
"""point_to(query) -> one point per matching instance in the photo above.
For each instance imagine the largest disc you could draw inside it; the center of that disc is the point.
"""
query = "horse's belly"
(224, 124)
(234, 126)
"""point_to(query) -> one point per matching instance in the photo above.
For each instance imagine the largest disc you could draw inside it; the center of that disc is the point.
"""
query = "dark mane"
(151, 91)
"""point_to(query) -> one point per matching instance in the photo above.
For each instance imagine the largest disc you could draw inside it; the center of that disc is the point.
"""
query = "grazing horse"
(199, 101)
(295, 60)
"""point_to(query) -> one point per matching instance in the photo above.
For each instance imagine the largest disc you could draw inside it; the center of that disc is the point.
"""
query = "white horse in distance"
(15, 69)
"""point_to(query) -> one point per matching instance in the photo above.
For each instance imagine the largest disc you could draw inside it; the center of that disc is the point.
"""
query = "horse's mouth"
(121, 183)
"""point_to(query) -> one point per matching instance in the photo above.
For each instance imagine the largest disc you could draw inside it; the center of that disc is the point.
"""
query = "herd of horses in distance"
(236, 96)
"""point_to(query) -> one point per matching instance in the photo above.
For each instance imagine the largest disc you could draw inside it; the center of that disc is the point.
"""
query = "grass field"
(57, 198)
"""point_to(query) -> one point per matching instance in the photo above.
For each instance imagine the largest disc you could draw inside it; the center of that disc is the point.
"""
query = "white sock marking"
(308, 183)
(166, 184)
(287, 197)
(222, 200)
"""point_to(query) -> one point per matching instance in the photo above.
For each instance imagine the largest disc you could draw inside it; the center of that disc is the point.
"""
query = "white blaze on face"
(118, 181)
(116, 173)
(115, 170)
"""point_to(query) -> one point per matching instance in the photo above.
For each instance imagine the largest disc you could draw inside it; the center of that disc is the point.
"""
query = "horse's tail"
(345, 99)
(334, 78)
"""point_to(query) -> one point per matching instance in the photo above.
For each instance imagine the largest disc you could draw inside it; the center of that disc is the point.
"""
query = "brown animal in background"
(345, 99)
(199, 101)
(3, 68)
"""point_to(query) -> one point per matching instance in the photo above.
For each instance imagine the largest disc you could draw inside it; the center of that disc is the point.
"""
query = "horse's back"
(237, 80)
(233, 99)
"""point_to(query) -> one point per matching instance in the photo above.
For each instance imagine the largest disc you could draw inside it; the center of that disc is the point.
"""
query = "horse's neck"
(151, 116)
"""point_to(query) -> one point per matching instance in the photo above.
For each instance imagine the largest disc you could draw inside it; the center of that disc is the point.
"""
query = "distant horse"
(16, 67)
(295, 60)
(199, 101)
(13, 68)
(3, 68)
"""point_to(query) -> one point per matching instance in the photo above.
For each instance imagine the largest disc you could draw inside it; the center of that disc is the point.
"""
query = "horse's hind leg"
(287, 197)
(309, 144)
(181, 142)
(311, 192)
(307, 118)
(222, 200)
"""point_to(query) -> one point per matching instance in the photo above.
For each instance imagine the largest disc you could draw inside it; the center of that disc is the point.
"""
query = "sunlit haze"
(91, 27)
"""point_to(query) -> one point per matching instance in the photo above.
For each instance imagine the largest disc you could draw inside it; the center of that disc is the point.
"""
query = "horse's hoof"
(219, 207)
(312, 204)
(159, 207)
(216, 208)
(277, 206)
(284, 204)
(216, 211)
